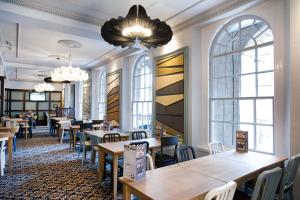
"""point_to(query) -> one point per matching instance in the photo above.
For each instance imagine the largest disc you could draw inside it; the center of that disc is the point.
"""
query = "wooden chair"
(97, 121)
(2, 154)
(224, 192)
(86, 126)
(65, 130)
(148, 156)
(138, 135)
(95, 140)
(288, 178)
(265, 186)
(185, 153)
(84, 146)
(216, 147)
(162, 159)
(112, 137)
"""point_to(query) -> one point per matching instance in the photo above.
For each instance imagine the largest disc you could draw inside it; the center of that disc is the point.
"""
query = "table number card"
(135, 163)
(241, 141)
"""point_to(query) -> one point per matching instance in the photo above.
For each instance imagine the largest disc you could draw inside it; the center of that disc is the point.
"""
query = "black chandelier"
(137, 29)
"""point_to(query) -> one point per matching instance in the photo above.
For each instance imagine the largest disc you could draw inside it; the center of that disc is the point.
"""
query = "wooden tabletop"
(78, 126)
(101, 133)
(118, 147)
(6, 134)
(223, 167)
(60, 118)
(18, 120)
(173, 182)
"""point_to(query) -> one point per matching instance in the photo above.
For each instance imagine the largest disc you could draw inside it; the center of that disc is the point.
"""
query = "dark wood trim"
(9, 101)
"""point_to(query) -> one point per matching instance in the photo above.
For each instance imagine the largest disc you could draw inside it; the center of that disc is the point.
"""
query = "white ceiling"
(43, 22)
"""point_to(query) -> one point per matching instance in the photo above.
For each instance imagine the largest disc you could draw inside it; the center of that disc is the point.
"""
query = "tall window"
(242, 83)
(142, 94)
(102, 95)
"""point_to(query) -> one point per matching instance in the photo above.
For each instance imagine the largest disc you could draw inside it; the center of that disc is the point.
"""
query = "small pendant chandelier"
(69, 73)
(42, 87)
(137, 30)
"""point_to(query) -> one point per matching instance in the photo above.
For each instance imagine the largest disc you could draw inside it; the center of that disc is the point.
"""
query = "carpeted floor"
(45, 169)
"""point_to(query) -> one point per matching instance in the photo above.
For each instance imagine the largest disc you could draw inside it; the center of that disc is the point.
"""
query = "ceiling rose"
(42, 87)
(69, 73)
(136, 29)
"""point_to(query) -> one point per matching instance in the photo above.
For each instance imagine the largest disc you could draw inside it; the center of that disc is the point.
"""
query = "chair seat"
(163, 160)
(87, 143)
(109, 159)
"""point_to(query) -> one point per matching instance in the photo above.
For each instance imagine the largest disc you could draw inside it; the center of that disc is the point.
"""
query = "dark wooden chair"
(162, 159)
(97, 121)
(138, 135)
(86, 126)
(185, 153)
(112, 137)
(141, 143)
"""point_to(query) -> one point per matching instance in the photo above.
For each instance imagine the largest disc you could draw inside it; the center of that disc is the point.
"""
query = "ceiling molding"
(216, 12)
(56, 11)
(121, 54)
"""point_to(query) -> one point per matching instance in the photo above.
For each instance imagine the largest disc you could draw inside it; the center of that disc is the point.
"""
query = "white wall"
(198, 39)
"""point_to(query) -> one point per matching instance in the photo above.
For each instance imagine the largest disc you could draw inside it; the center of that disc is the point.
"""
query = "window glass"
(242, 83)
(142, 94)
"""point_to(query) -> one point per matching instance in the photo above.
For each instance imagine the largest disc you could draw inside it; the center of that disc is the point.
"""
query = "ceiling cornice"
(56, 11)
(217, 11)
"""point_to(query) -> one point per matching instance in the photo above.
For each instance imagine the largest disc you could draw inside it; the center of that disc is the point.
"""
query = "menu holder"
(241, 141)
(135, 163)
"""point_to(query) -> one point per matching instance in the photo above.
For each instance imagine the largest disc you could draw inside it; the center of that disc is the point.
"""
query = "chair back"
(266, 184)
(289, 175)
(141, 143)
(86, 126)
(216, 147)
(185, 153)
(76, 122)
(148, 156)
(138, 135)
(2, 144)
(97, 121)
(224, 192)
(111, 137)
(94, 140)
(167, 142)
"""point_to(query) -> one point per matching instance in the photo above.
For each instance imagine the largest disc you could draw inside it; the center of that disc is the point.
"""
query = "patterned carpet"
(45, 169)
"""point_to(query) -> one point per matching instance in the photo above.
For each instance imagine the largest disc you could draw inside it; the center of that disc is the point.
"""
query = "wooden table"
(22, 121)
(10, 147)
(116, 150)
(75, 128)
(224, 167)
(5, 129)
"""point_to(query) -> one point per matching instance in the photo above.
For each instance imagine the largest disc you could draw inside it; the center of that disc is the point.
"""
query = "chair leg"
(62, 136)
(83, 155)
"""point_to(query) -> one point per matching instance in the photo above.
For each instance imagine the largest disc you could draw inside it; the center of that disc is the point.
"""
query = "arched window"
(242, 83)
(142, 93)
(102, 95)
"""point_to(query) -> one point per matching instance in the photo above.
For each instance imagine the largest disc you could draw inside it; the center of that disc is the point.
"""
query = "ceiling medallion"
(137, 30)
(69, 73)
(42, 87)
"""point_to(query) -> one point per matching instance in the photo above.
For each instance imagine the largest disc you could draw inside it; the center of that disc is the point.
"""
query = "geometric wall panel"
(169, 102)
(113, 86)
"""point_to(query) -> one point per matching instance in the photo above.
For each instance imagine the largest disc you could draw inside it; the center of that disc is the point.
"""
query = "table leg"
(10, 153)
(74, 137)
(126, 193)
(26, 131)
(101, 164)
(115, 176)
(153, 151)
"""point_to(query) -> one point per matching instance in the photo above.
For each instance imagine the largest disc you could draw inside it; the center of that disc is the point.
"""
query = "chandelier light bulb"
(136, 31)
(42, 87)
(69, 74)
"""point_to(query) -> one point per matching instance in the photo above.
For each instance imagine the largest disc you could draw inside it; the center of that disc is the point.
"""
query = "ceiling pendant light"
(42, 87)
(69, 73)
(137, 30)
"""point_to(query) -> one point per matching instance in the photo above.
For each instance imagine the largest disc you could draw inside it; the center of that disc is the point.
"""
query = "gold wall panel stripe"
(164, 81)
(112, 85)
(112, 77)
(170, 99)
(166, 71)
(178, 60)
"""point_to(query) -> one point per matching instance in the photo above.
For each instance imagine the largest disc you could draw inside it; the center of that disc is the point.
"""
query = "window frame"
(102, 92)
(241, 49)
(134, 89)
